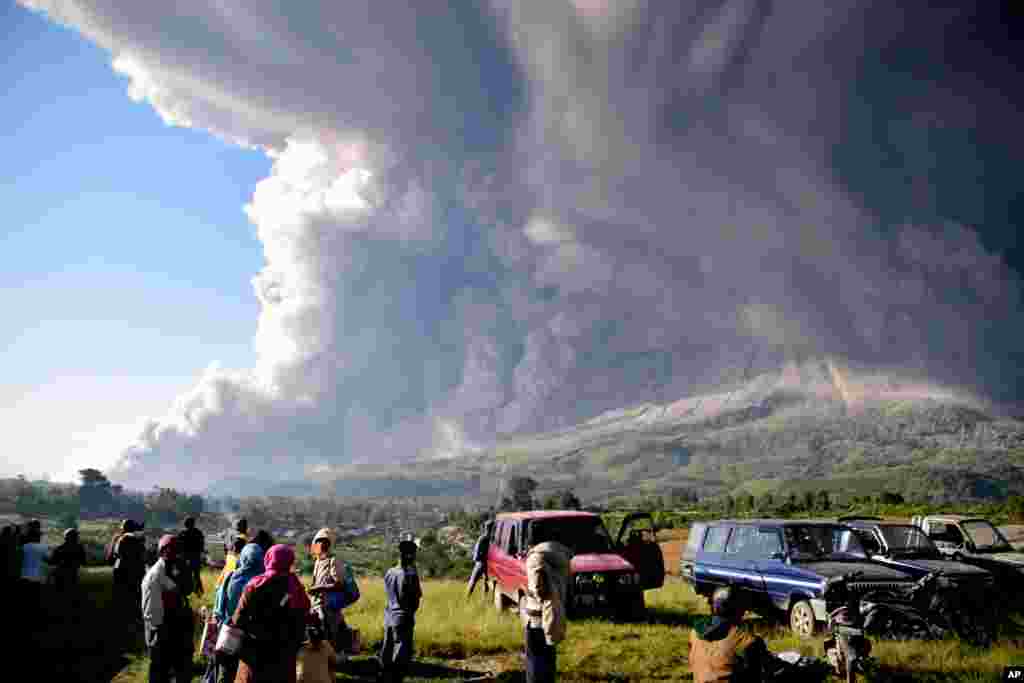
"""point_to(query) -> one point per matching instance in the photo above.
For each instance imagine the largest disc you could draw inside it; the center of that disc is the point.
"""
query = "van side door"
(741, 557)
(710, 570)
(778, 577)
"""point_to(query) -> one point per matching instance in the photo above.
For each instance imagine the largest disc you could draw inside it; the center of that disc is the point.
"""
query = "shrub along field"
(460, 640)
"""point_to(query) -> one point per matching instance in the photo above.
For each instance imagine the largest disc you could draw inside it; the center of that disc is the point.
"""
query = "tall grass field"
(460, 640)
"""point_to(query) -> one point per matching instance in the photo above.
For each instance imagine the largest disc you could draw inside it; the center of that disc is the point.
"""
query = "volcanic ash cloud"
(513, 216)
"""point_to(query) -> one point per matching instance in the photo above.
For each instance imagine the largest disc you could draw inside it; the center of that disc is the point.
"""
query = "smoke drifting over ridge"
(518, 215)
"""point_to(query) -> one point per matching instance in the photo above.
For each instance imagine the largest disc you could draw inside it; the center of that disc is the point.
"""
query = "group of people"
(294, 633)
(32, 569)
(291, 632)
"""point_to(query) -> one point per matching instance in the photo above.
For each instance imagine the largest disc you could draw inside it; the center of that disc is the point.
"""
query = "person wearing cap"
(721, 649)
(480, 550)
(161, 601)
(402, 599)
(327, 578)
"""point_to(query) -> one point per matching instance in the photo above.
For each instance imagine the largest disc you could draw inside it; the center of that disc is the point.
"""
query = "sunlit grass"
(455, 637)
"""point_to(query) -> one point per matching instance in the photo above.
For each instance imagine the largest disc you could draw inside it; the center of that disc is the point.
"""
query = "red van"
(604, 574)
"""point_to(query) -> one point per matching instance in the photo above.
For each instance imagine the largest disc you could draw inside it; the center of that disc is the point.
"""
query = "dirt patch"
(672, 550)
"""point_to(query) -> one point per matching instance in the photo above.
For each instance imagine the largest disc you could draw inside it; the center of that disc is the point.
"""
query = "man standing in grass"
(161, 604)
(193, 546)
(480, 550)
(543, 610)
(328, 579)
(402, 599)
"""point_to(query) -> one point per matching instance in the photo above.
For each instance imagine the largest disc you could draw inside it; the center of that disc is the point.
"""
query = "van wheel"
(500, 603)
(801, 619)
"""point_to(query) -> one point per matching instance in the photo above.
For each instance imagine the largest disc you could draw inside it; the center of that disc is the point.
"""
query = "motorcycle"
(932, 608)
(847, 648)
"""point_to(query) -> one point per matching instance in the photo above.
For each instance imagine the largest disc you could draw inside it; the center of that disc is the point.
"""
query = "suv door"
(637, 542)
(777, 576)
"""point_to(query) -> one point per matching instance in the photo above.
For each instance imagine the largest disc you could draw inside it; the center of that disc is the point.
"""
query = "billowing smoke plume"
(517, 215)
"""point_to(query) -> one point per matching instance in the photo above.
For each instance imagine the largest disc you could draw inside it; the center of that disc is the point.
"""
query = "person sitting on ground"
(162, 603)
(250, 565)
(480, 550)
(721, 649)
(272, 613)
(193, 546)
(402, 598)
(317, 661)
(67, 559)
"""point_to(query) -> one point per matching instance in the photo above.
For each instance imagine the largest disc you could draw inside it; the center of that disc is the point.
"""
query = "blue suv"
(783, 563)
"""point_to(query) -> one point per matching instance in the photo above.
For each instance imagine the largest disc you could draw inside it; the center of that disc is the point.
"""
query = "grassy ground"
(460, 640)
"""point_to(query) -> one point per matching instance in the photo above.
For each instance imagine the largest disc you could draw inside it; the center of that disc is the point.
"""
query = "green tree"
(824, 502)
(809, 501)
(521, 490)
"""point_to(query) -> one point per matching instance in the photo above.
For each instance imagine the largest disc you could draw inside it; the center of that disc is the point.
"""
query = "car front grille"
(861, 587)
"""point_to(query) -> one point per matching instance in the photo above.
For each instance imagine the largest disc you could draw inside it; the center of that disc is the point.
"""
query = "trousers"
(396, 652)
(540, 657)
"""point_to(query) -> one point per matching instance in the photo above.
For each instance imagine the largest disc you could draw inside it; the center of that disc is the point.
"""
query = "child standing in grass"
(402, 599)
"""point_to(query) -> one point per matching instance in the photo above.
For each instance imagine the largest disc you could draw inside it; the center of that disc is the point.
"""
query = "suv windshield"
(581, 535)
(907, 540)
(984, 536)
(822, 541)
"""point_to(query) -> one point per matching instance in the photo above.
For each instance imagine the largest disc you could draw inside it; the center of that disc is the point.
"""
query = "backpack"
(349, 593)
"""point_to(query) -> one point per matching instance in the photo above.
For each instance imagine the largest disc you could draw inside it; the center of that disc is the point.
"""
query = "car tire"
(633, 609)
(801, 619)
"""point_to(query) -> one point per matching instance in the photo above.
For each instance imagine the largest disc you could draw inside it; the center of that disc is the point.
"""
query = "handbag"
(229, 639)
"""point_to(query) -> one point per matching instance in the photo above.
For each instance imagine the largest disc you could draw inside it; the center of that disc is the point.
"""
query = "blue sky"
(127, 257)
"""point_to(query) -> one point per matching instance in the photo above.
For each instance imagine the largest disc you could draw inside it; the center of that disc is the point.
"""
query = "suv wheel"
(801, 619)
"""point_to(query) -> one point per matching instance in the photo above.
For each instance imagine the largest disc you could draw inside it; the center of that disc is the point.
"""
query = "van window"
(714, 539)
(743, 540)
(501, 535)
(695, 540)
(769, 542)
(513, 540)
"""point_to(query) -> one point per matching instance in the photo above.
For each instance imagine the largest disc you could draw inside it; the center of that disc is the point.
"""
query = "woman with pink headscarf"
(272, 613)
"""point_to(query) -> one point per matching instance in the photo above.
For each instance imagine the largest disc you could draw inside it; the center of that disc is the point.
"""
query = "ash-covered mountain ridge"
(810, 426)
